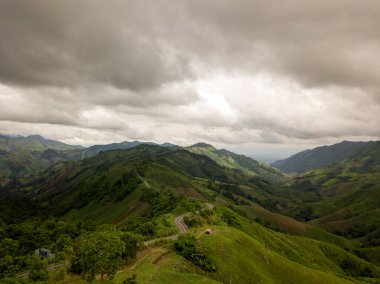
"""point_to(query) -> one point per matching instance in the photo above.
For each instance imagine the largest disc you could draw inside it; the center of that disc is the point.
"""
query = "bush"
(131, 243)
(191, 222)
(38, 269)
(186, 246)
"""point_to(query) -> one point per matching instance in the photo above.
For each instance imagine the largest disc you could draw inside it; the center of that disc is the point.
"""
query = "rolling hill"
(21, 155)
(32, 143)
(321, 157)
(143, 188)
(96, 149)
(348, 196)
(100, 188)
(235, 161)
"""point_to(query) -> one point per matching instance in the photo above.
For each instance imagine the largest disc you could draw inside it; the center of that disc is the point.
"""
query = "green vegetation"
(110, 219)
(234, 161)
(98, 253)
(186, 246)
(321, 157)
(346, 194)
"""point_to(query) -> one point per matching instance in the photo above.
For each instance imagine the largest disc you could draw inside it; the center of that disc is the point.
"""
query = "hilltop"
(235, 161)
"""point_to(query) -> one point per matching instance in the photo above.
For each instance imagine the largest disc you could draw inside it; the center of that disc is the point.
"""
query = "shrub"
(186, 246)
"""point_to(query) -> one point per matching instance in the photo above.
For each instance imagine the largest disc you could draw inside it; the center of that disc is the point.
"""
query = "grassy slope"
(286, 224)
(87, 189)
(348, 194)
(258, 256)
(250, 252)
(242, 259)
(157, 265)
(242, 163)
(262, 257)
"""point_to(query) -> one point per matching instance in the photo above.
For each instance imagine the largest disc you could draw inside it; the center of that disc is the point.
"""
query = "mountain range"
(320, 224)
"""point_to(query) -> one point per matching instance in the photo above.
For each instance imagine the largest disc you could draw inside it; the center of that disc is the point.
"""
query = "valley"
(319, 226)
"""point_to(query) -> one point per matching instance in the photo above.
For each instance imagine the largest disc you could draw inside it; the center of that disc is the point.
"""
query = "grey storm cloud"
(142, 44)
(118, 67)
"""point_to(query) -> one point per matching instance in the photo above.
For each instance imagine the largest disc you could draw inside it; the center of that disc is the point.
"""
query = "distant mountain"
(321, 157)
(348, 198)
(20, 155)
(235, 161)
(96, 149)
(32, 143)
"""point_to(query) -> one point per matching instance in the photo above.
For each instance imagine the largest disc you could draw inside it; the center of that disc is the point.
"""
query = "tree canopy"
(99, 252)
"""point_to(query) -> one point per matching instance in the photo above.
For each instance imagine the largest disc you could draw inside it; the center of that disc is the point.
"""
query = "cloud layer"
(227, 72)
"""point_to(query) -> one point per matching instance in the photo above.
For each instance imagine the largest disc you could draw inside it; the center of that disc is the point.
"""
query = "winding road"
(182, 227)
(179, 221)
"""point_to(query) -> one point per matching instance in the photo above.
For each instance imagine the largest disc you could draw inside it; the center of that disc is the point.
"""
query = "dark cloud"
(187, 70)
(68, 43)
(142, 45)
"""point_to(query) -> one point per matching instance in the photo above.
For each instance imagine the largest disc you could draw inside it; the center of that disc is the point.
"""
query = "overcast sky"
(249, 76)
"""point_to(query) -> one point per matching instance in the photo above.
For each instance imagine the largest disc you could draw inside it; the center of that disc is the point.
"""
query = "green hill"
(234, 161)
(96, 149)
(143, 189)
(347, 195)
(21, 156)
(238, 258)
(321, 157)
(244, 252)
(32, 143)
(101, 187)
(118, 186)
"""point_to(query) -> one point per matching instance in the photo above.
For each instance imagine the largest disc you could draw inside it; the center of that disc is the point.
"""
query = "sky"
(262, 78)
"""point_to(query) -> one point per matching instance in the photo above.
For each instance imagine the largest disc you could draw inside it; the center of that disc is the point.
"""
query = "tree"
(99, 252)
(8, 266)
(38, 269)
(131, 243)
(147, 229)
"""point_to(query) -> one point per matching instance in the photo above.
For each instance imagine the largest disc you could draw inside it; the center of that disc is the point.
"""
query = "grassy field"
(242, 259)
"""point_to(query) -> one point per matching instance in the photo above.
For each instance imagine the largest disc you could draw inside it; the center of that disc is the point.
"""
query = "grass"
(156, 265)
(242, 259)
(239, 258)
(289, 225)
(304, 250)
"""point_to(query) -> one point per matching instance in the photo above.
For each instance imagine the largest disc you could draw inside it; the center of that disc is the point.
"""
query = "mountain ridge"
(321, 157)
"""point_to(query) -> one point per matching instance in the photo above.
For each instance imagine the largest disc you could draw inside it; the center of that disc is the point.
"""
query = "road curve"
(179, 221)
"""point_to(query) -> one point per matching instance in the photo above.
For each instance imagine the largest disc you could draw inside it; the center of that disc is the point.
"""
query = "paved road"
(182, 227)
(179, 221)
